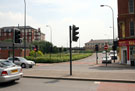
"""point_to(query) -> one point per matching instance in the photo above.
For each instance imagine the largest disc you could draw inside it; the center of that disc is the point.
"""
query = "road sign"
(106, 47)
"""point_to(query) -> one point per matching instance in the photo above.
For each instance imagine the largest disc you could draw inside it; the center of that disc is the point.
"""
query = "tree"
(45, 46)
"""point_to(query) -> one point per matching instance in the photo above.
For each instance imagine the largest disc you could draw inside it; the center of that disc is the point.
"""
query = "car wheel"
(30, 66)
(13, 81)
(23, 65)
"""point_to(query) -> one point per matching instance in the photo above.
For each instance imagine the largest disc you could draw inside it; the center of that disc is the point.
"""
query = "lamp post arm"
(112, 18)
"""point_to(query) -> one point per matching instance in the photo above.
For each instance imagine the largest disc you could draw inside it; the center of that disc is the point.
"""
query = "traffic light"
(36, 48)
(17, 37)
(116, 43)
(96, 47)
(114, 47)
(75, 33)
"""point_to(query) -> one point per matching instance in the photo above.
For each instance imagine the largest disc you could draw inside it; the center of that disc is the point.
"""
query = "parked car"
(24, 63)
(109, 60)
(104, 52)
(9, 71)
(112, 55)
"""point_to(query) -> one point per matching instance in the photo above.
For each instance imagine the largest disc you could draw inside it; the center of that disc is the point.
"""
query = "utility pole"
(24, 29)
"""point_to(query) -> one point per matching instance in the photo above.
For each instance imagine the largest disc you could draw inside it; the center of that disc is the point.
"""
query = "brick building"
(32, 34)
(126, 30)
(101, 43)
(6, 38)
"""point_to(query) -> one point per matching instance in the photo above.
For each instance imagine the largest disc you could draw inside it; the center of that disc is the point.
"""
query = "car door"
(17, 61)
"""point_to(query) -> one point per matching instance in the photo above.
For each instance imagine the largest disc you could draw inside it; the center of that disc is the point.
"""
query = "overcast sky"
(94, 22)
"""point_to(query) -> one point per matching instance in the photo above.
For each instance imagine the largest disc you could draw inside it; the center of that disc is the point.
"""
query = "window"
(132, 53)
(131, 28)
(5, 30)
(9, 34)
(29, 33)
(5, 34)
(29, 38)
(131, 6)
(9, 30)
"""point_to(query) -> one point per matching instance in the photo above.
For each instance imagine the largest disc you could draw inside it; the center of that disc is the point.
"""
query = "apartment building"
(6, 40)
(32, 34)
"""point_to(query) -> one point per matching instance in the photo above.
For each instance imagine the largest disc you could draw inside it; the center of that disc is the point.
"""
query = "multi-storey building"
(101, 43)
(32, 34)
(6, 40)
(126, 30)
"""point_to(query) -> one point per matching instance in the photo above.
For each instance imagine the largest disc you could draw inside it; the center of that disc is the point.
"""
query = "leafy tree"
(44, 46)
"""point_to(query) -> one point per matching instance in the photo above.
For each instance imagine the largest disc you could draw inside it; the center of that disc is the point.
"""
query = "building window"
(132, 53)
(29, 33)
(9, 34)
(131, 6)
(9, 30)
(5, 34)
(5, 30)
(131, 28)
(29, 38)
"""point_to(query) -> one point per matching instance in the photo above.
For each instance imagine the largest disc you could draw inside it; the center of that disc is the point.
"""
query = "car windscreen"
(22, 59)
(6, 63)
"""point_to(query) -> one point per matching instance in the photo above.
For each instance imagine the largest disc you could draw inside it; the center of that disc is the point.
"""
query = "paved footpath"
(84, 70)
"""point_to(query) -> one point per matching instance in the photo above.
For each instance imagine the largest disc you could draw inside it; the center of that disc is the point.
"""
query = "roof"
(20, 27)
(100, 41)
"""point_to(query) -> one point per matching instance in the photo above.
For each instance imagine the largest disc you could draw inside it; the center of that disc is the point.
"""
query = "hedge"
(56, 58)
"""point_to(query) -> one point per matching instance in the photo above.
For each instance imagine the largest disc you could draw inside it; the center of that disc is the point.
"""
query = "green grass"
(56, 58)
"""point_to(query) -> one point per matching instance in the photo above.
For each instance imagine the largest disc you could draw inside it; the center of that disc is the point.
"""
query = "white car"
(109, 60)
(24, 63)
(9, 71)
(112, 55)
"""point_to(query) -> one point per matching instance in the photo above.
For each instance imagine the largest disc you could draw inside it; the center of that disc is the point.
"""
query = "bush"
(33, 53)
(56, 58)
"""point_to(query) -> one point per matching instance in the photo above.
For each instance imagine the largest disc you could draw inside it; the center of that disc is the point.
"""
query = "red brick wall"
(122, 6)
(4, 54)
(124, 16)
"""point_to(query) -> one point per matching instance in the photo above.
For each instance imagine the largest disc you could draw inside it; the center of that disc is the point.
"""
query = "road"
(79, 65)
(85, 65)
(85, 68)
(30, 84)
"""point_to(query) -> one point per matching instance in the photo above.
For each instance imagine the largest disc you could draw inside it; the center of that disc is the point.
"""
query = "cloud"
(93, 21)
(64, 6)
(88, 29)
(13, 19)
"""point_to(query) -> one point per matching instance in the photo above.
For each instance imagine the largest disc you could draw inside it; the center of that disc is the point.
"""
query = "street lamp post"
(112, 23)
(24, 28)
(50, 38)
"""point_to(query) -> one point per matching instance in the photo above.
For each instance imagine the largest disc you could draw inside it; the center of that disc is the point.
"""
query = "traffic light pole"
(13, 44)
(114, 53)
(70, 42)
(96, 57)
(106, 58)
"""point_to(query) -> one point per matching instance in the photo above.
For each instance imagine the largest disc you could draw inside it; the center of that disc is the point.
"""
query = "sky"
(94, 22)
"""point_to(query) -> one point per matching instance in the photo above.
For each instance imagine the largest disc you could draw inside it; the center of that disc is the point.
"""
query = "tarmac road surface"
(30, 84)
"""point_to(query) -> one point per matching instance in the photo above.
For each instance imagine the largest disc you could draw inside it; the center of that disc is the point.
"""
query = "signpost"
(106, 47)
